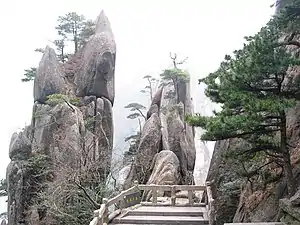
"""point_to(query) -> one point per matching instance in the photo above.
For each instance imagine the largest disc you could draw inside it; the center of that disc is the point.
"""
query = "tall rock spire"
(102, 24)
(49, 78)
(70, 138)
(96, 76)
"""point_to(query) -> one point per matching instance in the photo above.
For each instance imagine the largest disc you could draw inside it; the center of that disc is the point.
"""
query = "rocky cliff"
(256, 196)
(67, 148)
(166, 152)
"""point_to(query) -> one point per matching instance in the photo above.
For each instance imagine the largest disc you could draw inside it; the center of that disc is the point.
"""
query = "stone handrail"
(172, 188)
(210, 204)
(102, 216)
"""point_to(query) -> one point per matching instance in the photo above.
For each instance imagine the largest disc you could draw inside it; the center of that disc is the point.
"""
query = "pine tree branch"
(240, 135)
(142, 114)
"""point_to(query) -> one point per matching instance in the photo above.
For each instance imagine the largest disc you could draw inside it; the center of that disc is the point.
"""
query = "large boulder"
(165, 170)
(96, 74)
(49, 78)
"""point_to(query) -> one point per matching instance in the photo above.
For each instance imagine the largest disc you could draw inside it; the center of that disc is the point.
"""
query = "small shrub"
(56, 99)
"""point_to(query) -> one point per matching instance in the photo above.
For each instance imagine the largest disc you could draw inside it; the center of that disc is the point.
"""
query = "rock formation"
(238, 199)
(167, 142)
(290, 210)
(71, 134)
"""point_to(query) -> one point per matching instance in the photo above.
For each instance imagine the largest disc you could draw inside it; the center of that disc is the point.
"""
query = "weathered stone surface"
(258, 205)
(72, 139)
(286, 206)
(96, 75)
(295, 199)
(165, 170)
(17, 184)
(153, 109)
(168, 96)
(20, 145)
(155, 104)
(177, 139)
(104, 107)
(175, 134)
(104, 132)
(58, 133)
(148, 147)
(49, 77)
(225, 183)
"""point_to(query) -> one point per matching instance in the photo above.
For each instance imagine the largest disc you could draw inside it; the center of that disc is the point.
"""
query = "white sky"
(145, 31)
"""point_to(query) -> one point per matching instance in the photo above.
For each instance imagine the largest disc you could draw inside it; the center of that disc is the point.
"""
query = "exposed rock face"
(165, 170)
(49, 78)
(235, 199)
(65, 141)
(96, 75)
(148, 147)
(172, 133)
(225, 182)
(17, 176)
(290, 214)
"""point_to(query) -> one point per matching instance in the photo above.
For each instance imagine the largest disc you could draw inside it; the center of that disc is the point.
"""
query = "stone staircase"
(164, 215)
(128, 207)
(258, 223)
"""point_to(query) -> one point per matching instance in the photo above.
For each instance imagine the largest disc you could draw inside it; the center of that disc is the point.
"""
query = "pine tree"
(71, 27)
(172, 76)
(255, 91)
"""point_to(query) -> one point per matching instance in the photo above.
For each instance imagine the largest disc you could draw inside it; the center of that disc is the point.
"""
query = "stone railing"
(102, 215)
(209, 201)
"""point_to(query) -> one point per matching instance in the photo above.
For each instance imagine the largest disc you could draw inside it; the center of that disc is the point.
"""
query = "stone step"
(145, 219)
(256, 223)
(168, 211)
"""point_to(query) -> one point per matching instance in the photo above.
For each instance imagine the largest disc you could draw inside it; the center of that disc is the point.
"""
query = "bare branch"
(96, 205)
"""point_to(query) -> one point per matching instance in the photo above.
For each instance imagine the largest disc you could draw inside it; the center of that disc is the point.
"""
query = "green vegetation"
(151, 87)
(133, 141)
(56, 99)
(29, 74)
(71, 28)
(174, 76)
(255, 91)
